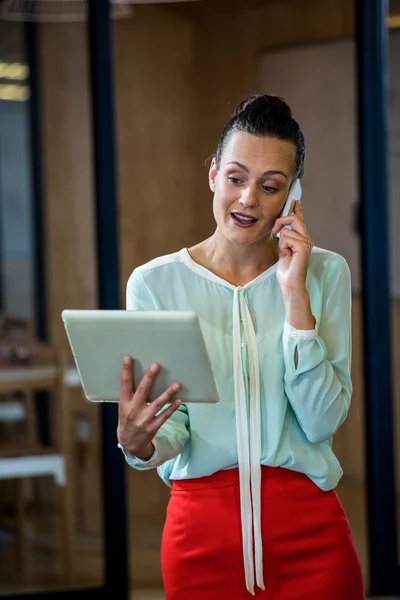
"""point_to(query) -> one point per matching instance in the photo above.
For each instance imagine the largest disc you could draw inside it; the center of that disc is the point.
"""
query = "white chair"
(21, 462)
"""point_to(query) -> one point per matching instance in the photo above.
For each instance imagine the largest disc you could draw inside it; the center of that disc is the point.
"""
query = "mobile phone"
(294, 195)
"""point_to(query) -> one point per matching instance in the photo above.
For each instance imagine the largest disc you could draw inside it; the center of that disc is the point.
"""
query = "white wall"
(318, 82)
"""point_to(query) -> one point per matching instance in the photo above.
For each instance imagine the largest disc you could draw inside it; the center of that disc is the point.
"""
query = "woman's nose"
(249, 197)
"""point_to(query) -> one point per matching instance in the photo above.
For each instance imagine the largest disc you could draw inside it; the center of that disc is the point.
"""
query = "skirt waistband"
(230, 477)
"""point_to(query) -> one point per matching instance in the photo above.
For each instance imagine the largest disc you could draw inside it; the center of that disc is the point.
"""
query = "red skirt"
(308, 549)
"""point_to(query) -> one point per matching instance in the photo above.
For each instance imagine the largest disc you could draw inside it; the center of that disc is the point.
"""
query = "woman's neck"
(238, 264)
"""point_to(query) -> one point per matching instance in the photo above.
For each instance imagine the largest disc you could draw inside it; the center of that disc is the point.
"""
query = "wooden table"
(37, 370)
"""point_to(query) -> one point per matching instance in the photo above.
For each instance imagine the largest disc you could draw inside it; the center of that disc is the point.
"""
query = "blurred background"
(179, 69)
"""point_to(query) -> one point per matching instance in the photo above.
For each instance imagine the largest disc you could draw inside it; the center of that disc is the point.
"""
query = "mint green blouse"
(274, 410)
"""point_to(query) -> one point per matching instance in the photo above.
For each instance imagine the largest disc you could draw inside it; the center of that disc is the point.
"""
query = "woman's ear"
(212, 174)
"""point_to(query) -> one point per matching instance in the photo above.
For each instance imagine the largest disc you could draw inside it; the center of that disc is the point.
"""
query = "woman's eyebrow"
(276, 173)
(234, 162)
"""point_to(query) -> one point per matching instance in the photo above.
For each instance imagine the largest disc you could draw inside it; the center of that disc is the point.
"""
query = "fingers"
(291, 239)
(295, 221)
(294, 235)
(165, 415)
(298, 210)
(164, 399)
(144, 387)
(126, 379)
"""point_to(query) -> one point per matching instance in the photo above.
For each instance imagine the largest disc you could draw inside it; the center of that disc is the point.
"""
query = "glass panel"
(15, 177)
(50, 445)
(394, 221)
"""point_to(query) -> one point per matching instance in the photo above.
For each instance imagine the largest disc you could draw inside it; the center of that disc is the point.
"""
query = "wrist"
(298, 309)
(295, 294)
(141, 453)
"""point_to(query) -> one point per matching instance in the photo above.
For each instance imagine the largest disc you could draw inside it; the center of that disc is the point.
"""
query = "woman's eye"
(234, 180)
(269, 189)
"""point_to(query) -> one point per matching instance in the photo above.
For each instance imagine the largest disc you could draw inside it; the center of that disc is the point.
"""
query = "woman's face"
(251, 186)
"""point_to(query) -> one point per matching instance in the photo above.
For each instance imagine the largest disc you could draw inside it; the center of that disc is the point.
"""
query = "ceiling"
(11, 34)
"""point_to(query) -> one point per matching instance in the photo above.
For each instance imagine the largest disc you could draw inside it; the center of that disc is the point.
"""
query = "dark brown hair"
(264, 115)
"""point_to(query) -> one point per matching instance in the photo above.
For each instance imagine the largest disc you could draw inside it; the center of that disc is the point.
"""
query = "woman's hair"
(265, 115)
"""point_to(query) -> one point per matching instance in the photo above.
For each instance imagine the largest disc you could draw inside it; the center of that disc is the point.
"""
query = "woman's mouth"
(243, 220)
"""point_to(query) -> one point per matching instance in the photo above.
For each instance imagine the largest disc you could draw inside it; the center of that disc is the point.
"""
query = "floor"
(44, 572)
(148, 595)
(159, 595)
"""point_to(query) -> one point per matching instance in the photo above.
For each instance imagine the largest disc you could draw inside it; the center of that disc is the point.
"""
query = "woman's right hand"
(138, 421)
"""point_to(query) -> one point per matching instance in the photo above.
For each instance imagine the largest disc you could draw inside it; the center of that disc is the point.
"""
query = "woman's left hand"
(294, 251)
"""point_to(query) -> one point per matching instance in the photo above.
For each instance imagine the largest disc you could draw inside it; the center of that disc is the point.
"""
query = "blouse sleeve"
(171, 438)
(318, 384)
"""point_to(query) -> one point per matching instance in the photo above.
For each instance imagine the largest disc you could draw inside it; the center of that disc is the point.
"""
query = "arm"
(317, 363)
(171, 437)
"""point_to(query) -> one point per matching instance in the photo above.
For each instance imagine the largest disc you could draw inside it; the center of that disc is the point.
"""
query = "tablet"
(100, 339)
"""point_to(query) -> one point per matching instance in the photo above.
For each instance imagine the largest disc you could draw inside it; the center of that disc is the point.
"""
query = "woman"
(253, 509)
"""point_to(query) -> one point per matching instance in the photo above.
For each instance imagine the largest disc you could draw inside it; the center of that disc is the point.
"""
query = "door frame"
(372, 41)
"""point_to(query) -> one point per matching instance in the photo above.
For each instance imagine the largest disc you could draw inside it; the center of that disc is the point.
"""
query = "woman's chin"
(245, 237)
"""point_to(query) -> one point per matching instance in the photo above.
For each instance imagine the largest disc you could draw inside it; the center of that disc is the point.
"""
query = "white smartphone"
(294, 195)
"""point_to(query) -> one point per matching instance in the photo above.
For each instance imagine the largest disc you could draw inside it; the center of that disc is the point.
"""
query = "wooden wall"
(154, 82)
(69, 225)
(179, 72)
(69, 222)
(228, 45)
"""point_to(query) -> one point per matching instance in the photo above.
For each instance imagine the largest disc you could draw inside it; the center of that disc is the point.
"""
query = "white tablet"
(100, 339)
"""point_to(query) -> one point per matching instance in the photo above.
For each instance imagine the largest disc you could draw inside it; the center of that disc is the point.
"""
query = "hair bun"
(264, 102)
